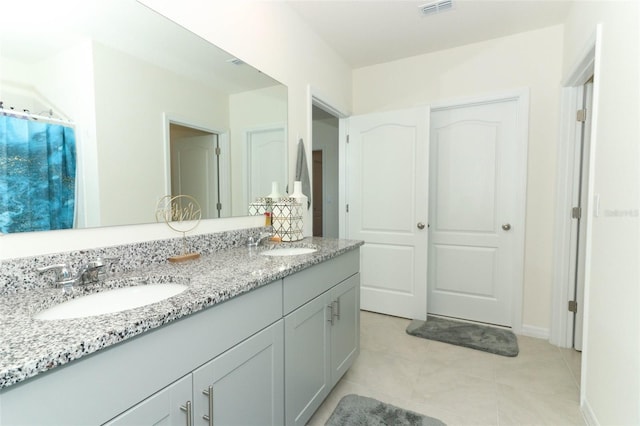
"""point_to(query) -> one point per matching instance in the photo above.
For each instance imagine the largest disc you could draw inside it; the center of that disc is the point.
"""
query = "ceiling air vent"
(235, 61)
(436, 7)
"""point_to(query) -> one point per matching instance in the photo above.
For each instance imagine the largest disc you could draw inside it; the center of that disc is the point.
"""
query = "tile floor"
(461, 386)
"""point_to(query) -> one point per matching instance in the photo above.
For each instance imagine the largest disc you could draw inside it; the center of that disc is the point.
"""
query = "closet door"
(477, 192)
(387, 198)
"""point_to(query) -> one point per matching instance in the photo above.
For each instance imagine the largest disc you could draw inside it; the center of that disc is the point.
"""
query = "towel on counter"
(302, 172)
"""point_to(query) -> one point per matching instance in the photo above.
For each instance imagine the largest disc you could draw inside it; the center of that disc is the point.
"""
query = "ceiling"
(368, 32)
(34, 30)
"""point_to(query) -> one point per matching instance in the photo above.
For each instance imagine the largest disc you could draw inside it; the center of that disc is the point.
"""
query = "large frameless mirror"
(123, 107)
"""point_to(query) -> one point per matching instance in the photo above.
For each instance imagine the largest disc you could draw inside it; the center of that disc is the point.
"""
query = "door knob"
(420, 225)
(506, 226)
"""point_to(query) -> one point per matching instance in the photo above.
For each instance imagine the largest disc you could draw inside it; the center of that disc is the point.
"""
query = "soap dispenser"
(299, 196)
(275, 194)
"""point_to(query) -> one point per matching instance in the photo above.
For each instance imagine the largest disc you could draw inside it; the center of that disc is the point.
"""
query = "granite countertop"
(29, 346)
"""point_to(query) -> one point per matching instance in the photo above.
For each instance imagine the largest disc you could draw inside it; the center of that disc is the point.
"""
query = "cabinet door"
(345, 331)
(162, 408)
(243, 386)
(307, 360)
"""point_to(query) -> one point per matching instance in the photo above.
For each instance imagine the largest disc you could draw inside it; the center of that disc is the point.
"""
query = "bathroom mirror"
(156, 110)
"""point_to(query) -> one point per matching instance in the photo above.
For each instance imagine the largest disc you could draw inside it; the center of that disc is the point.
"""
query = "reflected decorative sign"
(182, 213)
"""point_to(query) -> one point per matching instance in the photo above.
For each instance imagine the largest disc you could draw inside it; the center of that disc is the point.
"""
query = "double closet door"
(438, 196)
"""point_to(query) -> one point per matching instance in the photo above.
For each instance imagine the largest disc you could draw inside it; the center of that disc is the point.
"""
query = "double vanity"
(248, 338)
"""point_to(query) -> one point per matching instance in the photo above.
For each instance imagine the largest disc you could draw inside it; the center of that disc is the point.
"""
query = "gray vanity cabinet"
(345, 330)
(244, 385)
(143, 377)
(322, 335)
(307, 374)
(163, 408)
(267, 357)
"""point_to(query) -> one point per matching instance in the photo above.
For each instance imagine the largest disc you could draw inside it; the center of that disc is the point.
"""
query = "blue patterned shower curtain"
(37, 175)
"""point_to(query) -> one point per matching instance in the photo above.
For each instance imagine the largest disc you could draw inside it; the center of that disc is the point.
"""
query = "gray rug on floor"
(356, 410)
(481, 337)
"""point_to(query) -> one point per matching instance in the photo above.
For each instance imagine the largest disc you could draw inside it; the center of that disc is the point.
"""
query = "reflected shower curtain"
(37, 175)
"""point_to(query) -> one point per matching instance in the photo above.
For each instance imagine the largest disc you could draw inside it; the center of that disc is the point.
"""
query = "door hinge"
(581, 115)
(573, 306)
(576, 213)
(347, 208)
(218, 151)
(219, 206)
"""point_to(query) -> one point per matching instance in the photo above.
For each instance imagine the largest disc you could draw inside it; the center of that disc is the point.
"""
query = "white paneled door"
(387, 187)
(194, 171)
(266, 151)
(477, 189)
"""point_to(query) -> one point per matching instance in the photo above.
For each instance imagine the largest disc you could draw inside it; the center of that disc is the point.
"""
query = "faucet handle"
(95, 264)
(63, 274)
(110, 260)
(255, 242)
(103, 264)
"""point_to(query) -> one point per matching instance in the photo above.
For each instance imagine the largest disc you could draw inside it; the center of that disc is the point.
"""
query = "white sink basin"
(289, 251)
(110, 301)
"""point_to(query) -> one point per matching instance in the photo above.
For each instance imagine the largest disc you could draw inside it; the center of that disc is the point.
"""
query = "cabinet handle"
(338, 308)
(330, 306)
(209, 393)
(187, 409)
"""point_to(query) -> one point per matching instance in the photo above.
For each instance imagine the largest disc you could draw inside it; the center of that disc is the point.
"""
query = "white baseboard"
(588, 415)
(533, 331)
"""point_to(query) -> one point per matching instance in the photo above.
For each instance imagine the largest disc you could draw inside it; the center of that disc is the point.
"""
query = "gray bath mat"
(356, 410)
(484, 338)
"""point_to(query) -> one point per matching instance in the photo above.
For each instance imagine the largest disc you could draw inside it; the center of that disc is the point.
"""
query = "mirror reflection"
(152, 110)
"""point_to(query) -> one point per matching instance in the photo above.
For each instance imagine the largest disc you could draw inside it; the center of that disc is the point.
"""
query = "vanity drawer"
(303, 286)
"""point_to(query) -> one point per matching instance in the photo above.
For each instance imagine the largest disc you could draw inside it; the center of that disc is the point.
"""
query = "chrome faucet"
(90, 272)
(255, 242)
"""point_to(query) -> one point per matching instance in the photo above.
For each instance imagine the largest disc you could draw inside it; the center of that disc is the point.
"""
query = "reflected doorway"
(195, 167)
(317, 194)
(197, 163)
(325, 173)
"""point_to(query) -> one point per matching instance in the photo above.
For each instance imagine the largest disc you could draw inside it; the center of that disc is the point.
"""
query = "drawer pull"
(330, 306)
(187, 409)
(209, 393)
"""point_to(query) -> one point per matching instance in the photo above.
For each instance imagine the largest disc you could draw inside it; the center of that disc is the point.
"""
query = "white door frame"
(223, 143)
(561, 332)
(521, 97)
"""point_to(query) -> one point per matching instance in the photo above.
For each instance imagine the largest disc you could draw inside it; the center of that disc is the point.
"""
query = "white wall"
(611, 358)
(131, 98)
(252, 110)
(532, 59)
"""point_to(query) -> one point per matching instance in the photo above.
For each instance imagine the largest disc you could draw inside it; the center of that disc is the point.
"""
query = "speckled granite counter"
(29, 346)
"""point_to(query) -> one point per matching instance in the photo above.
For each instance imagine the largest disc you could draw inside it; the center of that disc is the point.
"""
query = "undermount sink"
(288, 251)
(111, 301)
